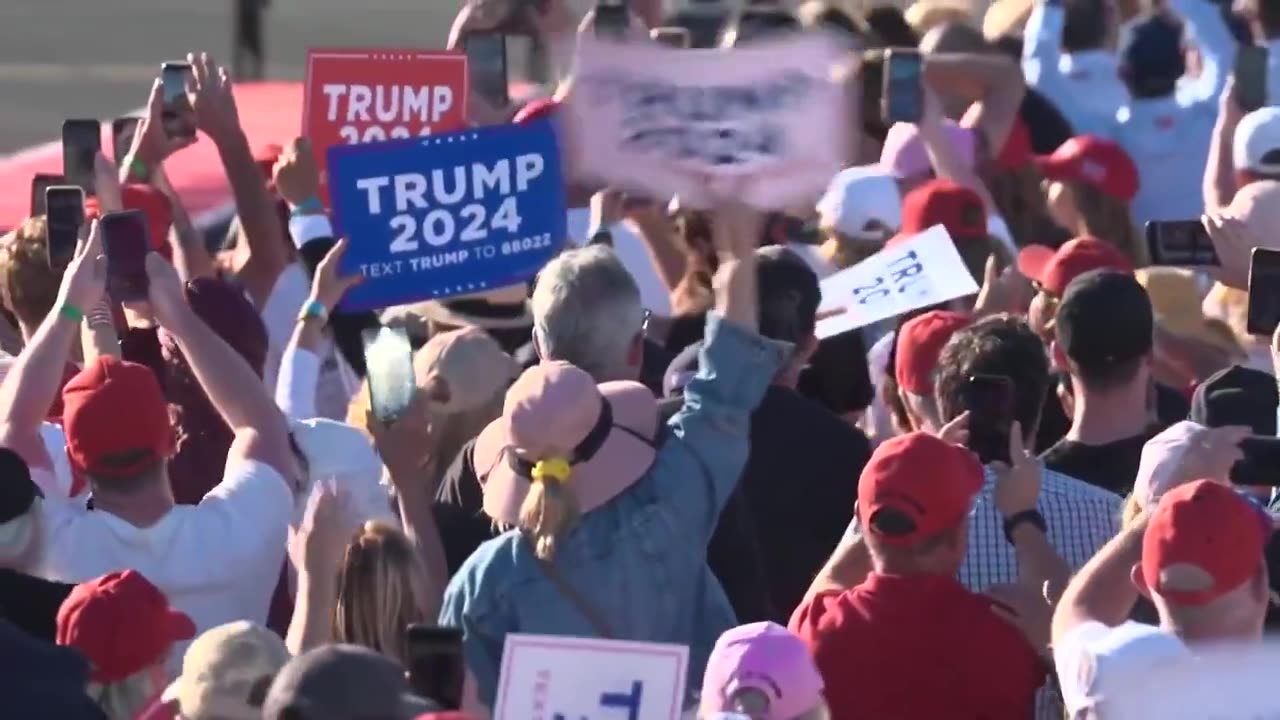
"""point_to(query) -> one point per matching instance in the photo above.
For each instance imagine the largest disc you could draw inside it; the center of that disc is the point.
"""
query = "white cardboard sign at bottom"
(921, 271)
(548, 677)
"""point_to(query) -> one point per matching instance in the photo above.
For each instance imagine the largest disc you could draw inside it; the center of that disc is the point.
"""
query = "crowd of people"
(202, 518)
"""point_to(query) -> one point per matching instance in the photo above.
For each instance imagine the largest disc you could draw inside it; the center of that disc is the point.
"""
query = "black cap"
(342, 682)
(1237, 396)
(1104, 319)
(17, 491)
(1152, 53)
(789, 295)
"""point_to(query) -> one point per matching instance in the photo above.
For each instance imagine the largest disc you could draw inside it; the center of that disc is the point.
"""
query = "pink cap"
(763, 656)
(903, 154)
(555, 410)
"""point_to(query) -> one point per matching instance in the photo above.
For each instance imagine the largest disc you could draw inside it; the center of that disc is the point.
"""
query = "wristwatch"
(1031, 516)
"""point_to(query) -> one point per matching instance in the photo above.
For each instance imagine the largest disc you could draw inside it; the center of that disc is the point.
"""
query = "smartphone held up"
(65, 216)
(388, 357)
(989, 400)
(902, 98)
(126, 242)
(177, 114)
(1264, 292)
(81, 143)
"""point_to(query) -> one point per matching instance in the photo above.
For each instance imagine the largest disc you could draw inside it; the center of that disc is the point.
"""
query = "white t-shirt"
(217, 561)
(1104, 668)
(338, 382)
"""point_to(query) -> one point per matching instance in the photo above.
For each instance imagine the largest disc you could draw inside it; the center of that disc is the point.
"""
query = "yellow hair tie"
(556, 469)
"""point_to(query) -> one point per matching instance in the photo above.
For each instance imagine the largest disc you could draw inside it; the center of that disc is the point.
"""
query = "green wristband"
(138, 170)
(71, 312)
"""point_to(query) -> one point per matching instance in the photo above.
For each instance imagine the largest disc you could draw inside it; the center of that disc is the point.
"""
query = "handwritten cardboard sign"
(357, 96)
(449, 214)
(918, 272)
(570, 678)
(770, 117)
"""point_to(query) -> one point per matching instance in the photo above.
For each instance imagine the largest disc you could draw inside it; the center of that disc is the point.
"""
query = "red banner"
(355, 96)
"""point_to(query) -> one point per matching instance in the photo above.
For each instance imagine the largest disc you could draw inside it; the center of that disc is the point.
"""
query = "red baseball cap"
(115, 408)
(153, 204)
(1090, 159)
(1055, 269)
(1202, 541)
(919, 343)
(121, 623)
(919, 476)
(946, 203)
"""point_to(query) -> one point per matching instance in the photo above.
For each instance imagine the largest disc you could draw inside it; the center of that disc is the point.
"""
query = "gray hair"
(586, 311)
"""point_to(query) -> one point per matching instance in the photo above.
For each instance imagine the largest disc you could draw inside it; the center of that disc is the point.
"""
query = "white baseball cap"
(1257, 142)
(859, 200)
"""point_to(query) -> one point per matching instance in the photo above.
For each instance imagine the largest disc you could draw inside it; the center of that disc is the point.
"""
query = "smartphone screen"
(388, 357)
(676, 37)
(1261, 463)
(1180, 242)
(1264, 292)
(177, 114)
(65, 216)
(487, 63)
(40, 183)
(436, 670)
(903, 95)
(126, 243)
(81, 142)
(1251, 77)
(123, 130)
(989, 399)
(612, 18)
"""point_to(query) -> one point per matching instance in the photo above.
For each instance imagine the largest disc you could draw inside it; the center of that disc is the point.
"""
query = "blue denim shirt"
(640, 559)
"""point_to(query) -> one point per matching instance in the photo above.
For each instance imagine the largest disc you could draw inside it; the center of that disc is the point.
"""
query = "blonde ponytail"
(550, 510)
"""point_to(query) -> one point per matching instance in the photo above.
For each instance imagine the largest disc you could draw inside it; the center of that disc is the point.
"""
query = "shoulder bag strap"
(593, 616)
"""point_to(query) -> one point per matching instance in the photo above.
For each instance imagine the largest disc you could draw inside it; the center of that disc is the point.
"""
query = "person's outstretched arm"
(233, 388)
(29, 388)
(993, 81)
(259, 263)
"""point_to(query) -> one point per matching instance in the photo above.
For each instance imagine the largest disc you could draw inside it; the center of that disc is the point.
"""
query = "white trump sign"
(547, 677)
(917, 272)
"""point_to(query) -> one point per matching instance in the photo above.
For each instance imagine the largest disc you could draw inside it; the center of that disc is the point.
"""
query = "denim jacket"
(640, 559)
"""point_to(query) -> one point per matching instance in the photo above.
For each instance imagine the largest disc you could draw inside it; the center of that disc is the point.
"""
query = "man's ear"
(1059, 357)
(1139, 582)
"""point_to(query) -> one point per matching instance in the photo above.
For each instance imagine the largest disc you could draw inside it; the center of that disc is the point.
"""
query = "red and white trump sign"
(358, 96)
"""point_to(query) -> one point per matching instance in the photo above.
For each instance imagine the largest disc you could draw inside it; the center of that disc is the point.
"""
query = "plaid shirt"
(1081, 518)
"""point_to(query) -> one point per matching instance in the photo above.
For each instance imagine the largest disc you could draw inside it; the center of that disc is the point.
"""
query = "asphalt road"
(96, 58)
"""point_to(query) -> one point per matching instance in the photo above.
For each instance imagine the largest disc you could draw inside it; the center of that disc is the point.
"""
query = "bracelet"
(99, 316)
(1031, 516)
(310, 206)
(314, 309)
(71, 312)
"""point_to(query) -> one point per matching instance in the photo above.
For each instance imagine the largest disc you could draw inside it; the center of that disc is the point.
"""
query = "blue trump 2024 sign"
(449, 214)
